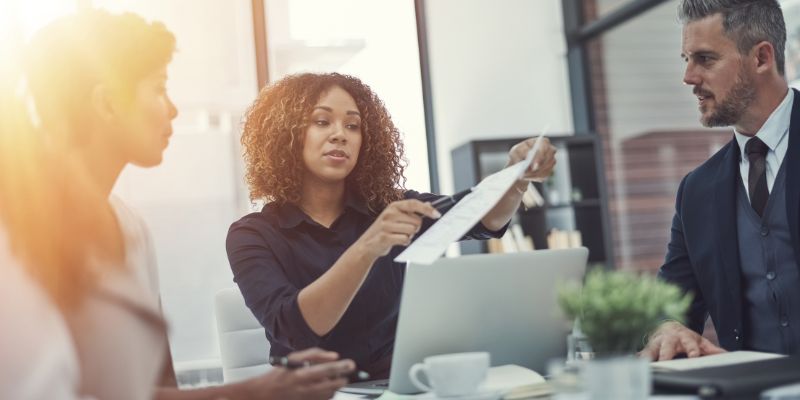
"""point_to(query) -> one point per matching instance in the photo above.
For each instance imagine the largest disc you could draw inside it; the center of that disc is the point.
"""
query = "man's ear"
(102, 103)
(764, 57)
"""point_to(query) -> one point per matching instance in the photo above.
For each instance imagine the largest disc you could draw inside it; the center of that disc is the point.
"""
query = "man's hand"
(672, 338)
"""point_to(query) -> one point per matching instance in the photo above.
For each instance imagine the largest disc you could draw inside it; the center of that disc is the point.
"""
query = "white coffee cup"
(455, 374)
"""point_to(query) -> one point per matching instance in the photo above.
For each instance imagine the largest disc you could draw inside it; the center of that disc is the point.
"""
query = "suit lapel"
(792, 160)
(725, 208)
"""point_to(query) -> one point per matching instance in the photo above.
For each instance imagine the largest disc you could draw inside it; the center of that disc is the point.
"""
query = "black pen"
(285, 362)
(443, 204)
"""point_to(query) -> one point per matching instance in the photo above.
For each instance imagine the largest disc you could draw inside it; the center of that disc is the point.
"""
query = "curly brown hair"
(275, 127)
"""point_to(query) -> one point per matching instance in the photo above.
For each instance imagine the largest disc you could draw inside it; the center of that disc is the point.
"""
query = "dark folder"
(732, 380)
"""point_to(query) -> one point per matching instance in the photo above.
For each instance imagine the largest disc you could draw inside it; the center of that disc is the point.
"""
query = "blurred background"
(463, 79)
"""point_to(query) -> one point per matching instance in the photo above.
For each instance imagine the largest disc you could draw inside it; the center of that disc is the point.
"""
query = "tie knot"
(755, 147)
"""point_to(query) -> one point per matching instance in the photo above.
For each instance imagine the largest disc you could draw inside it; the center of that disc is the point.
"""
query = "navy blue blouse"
(280, 250)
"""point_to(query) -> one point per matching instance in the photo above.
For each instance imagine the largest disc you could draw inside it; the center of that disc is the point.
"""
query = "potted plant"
(616, 310)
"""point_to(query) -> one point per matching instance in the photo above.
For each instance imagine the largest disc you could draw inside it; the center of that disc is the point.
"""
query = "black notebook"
(732, 380)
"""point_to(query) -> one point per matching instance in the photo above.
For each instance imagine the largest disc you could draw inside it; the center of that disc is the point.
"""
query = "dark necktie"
(756, 152)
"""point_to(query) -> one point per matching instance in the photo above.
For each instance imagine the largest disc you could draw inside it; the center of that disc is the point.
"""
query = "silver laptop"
(501, 303)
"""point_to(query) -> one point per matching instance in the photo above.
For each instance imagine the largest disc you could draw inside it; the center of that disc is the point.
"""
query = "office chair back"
(242, 345)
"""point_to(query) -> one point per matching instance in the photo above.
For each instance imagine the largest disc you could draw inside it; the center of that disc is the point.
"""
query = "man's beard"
(731, 109)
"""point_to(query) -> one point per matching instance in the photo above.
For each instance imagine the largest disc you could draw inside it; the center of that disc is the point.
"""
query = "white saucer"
(480, 395)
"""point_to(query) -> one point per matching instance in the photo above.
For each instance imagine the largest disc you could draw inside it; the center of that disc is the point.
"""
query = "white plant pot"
(617, 378)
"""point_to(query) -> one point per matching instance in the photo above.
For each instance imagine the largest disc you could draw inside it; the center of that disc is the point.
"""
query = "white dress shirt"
(775, 134)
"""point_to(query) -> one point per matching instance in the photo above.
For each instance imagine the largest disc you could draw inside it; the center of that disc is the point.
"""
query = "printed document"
(465, 214)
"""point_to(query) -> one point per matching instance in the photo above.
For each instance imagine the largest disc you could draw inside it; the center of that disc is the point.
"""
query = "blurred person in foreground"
(80, 314)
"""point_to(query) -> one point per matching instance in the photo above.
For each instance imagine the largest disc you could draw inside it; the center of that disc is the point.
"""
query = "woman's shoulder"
(130, 221)
(139, 246)
(267, 217)
(258, 225)
(36, 340)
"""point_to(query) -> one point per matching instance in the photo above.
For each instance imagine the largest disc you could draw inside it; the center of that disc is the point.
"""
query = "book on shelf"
(558, 239)
(509, 243)
(524, 243)
(532, 198)
(514, 240)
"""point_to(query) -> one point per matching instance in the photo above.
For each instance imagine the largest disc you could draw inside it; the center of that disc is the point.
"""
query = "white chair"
(242, 345)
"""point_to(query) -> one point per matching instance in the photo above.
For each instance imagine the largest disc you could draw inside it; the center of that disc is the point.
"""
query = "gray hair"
(746, 22)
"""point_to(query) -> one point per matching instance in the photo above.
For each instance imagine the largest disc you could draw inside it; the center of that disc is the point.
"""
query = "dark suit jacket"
(703, 252)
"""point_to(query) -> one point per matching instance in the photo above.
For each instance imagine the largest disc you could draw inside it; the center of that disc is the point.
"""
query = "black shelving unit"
(575, 197)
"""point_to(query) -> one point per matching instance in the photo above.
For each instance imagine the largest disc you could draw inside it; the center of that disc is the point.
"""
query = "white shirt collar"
(775, 128)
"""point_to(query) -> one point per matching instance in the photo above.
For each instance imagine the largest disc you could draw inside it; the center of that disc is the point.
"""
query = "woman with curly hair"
(315, 265)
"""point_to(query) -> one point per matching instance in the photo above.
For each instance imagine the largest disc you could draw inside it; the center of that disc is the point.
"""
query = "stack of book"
(513, 241)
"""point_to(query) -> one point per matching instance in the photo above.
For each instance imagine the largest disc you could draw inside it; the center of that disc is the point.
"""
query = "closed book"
(738, 380)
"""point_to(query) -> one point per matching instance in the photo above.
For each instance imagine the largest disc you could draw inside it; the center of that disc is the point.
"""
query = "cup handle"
(413, 373)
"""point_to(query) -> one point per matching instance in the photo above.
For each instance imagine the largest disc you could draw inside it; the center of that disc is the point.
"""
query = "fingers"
(668, 348)
(324, 371)
(520, 150)
(402, 218)
(543, 167)
(651, 350)
(403, 228)
(708, 348)
(546, 150)
(690, 345)
(314, 355)
(398, 239)
(398, 226)
(544, 159)
(413, 207)
(672, 338)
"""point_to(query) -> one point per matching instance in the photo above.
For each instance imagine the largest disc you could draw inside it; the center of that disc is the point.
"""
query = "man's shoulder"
(710, 168)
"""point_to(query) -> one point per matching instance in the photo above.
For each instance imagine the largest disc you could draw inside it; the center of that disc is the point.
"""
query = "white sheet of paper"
(347, 396)
(716, 360)
(464, 215)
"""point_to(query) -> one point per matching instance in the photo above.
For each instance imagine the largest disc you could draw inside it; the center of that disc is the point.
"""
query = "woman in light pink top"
(83, 318)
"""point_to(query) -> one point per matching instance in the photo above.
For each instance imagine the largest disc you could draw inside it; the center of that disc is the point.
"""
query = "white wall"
(498, 69)
(375, 41)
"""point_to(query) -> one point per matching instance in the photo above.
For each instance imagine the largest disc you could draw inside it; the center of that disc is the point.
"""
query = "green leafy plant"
(617, 308)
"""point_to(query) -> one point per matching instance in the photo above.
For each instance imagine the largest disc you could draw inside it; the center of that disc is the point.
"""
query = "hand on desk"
(318, 381)
(672, 338)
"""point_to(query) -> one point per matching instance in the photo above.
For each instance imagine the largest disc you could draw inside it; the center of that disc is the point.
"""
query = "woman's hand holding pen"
(395, 226)
(319, 381)
(543, 161)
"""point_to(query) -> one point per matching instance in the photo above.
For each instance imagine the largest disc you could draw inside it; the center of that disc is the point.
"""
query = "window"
(374, 41)
(19, 19)
(791, 13)
(651, 129)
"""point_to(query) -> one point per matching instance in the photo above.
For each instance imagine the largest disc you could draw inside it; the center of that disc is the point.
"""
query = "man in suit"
(734, 241)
